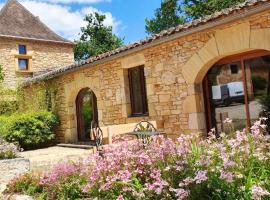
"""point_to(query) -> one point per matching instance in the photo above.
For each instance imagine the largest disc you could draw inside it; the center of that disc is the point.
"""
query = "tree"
(198, 8)
(96, 38)
(168, 15)
(175, 12)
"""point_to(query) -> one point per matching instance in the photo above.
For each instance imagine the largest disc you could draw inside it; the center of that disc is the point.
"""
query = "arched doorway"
(86, 111)
(233, 88)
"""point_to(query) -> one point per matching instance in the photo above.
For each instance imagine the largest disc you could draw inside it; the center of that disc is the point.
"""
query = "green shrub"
(8, 107)
(259, 83)
(31, 130)
(8, 101)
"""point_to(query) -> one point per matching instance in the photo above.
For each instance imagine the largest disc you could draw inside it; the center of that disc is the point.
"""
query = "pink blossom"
(181, 193)
(258, 192)
(227, 176)
(120, 197)
(200, 176)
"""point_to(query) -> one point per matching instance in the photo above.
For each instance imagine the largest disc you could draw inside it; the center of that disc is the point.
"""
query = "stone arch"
(71, 90)
(233, 40)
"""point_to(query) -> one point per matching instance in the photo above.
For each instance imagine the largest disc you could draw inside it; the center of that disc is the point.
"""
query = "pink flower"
(200, 176)
(120, 197)
(227, 176)
(258, 192)
(181, 193)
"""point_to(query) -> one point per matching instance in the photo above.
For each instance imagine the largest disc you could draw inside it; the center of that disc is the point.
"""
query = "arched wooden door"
(86, 110)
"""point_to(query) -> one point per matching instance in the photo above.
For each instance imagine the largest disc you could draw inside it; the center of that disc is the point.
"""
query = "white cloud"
(63, 20)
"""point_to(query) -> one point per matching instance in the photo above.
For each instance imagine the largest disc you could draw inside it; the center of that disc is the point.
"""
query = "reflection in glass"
(23, 64)
(227, 94)
(257, 75)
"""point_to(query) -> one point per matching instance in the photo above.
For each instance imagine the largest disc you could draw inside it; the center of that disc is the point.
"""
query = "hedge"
(30, 130)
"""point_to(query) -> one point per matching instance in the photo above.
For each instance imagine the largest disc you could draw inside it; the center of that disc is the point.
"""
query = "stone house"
(27, 46)
(169, 78)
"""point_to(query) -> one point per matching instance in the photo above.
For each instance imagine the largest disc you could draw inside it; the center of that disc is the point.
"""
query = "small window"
(23, 64)
(22, 49)
(234, 68)
(137, 89)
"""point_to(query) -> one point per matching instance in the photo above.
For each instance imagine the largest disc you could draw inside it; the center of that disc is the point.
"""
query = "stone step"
(78, 146)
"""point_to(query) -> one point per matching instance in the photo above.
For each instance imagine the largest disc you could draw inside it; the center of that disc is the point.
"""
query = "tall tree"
(198, 8)
(96, 38)
(168, 15)
(175, 12)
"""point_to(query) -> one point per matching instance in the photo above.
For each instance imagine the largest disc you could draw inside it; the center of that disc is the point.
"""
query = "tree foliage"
(198, 8)
(168, 15)
(175, 12)
(1, 74)
(96, 38)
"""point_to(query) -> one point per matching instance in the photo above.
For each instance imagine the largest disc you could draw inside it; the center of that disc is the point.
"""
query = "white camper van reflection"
(228, 93)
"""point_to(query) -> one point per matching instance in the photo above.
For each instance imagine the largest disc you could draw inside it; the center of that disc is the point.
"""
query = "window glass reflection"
(227, 100)
(257, 75)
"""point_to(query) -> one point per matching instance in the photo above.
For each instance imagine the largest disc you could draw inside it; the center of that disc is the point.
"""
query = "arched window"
(234, 88)
(86, 110)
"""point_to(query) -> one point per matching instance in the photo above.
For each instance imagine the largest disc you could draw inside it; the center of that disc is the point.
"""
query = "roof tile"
(17, 22)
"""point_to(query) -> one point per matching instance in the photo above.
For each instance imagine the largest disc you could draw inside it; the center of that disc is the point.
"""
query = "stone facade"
(174, 71)
(42, 56)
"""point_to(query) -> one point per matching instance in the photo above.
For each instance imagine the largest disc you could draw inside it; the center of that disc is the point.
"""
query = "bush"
(230, 167)
(8, 150)
(29, 130)
(259, 83)
(8, 107)
(8, 101)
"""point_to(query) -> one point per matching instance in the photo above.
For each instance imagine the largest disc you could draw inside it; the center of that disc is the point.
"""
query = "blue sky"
(66, 16)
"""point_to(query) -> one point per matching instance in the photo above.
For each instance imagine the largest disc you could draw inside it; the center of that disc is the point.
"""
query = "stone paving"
(47, 157)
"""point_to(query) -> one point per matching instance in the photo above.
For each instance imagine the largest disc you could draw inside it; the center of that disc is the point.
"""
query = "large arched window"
(234, 87)
(86, 110)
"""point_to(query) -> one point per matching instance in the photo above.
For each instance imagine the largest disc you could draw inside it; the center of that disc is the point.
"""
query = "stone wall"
(174, 72)
(43, 56)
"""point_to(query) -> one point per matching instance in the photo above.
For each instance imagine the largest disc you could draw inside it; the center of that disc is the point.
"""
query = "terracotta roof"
(238, 9)
(17, 22)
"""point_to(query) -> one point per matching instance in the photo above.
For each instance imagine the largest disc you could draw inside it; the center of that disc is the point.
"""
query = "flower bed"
(231, 167)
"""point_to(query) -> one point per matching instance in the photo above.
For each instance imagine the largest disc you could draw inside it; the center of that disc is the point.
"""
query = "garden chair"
(97, 133)
(144, 130)
(144, 126)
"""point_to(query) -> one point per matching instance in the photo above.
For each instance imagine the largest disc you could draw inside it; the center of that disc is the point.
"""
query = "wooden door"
(86, 111)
